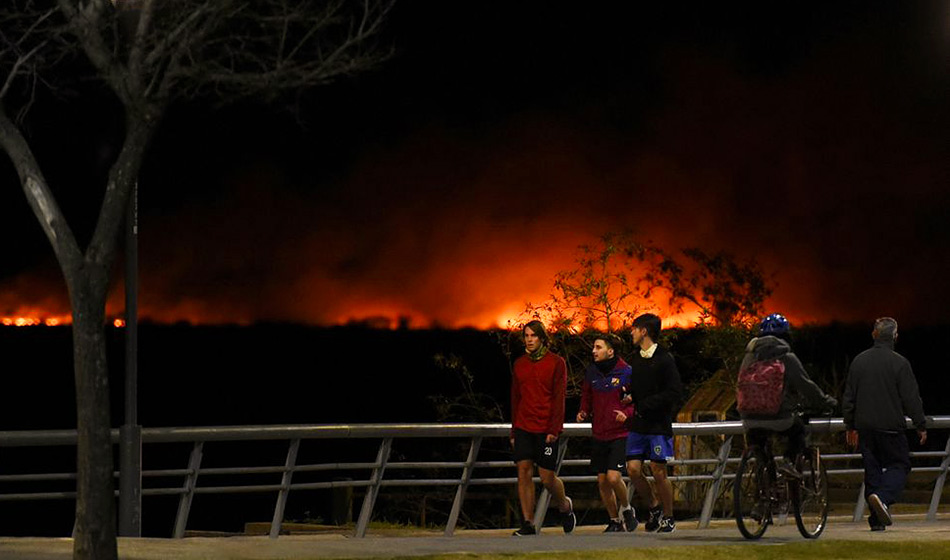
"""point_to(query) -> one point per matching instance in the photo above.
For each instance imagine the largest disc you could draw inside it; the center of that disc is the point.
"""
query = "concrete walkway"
(299, 547)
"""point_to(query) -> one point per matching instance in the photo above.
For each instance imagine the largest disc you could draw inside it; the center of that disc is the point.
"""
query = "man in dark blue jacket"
(880, 391)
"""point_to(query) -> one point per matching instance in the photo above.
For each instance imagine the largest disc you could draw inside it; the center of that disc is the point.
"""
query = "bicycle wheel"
(810, 496)
(751, 494)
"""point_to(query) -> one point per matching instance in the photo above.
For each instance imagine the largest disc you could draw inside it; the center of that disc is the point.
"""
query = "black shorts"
(532, 447)
(610, 455)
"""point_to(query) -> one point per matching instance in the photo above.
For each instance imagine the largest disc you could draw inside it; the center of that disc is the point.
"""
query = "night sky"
(452, 183)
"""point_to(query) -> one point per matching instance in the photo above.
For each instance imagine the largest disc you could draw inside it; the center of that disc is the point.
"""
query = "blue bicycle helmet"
(774, 324)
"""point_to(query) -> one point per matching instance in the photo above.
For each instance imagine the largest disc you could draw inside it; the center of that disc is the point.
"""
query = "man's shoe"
(653, 523)
(568, 520)
(880, 510)
(667, 525)
(630, 519)
(875, 528)
(526, 529)
(614, 527)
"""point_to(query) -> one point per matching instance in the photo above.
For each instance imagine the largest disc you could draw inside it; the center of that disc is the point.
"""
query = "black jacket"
(881, 389)
(656, 390)
(799, 389)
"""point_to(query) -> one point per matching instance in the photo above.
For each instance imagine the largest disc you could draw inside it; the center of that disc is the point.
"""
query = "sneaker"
(614, 526)
(880, 509)
(667, 525)
(526, 529)
(653, 523)
(568, 520)
(630, 519)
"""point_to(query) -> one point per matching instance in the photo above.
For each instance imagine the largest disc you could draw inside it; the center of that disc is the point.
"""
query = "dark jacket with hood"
(799, 388)
(881, 389)
(656, 389)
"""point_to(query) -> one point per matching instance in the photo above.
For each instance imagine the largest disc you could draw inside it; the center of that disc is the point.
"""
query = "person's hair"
(611, 340)
(537, 327)
(885, 329)
(651, 323)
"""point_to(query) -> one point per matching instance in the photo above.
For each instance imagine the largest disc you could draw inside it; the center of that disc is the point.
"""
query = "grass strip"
(807, 550)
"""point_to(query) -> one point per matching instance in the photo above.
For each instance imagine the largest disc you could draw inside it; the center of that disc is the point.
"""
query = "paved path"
(300, 547)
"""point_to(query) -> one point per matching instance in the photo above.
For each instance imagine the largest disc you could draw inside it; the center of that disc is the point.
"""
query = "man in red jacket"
(538, 389)
(604, 383)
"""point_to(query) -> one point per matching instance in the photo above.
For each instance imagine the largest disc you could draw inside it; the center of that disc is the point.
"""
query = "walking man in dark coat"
(880, 391)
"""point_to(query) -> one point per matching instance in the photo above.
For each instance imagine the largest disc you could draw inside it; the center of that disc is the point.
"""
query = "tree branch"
(86, 23)
(38, 195)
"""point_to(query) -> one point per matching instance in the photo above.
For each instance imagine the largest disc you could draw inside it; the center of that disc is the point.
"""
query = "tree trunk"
(95, 536)
(87, 278)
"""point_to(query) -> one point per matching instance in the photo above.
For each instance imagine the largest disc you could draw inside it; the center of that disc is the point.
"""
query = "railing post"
(463, 486)
(382, 457)
(545, 499)
(188, 490)
(938, 486)
(716, 484)
(289, 465)
(860, 505)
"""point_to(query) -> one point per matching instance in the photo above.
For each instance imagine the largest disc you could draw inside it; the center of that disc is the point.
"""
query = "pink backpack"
(760, 388)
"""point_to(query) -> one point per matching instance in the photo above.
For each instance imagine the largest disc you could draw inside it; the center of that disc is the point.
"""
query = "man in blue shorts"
(655, 390)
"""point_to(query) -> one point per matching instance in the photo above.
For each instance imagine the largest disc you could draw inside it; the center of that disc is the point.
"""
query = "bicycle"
(761, 489)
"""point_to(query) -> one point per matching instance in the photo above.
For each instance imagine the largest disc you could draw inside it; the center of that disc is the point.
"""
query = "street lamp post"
(130, 443)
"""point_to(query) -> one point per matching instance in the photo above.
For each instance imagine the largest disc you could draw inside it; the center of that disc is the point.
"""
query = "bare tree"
(602, 290)
(150, 54)
(618, 277)
(725, 290)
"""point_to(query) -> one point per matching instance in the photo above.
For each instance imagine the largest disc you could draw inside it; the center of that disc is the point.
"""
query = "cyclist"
(771, 349)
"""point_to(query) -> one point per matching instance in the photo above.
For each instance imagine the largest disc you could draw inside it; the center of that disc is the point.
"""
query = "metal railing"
(382, 465)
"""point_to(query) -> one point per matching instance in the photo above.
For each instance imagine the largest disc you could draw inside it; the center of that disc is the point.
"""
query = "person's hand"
(626, 400)
(581, 416)
(831, 404)
(923, 436)
(550, 439)
(512, 441)
(621, 416)
(851, 436)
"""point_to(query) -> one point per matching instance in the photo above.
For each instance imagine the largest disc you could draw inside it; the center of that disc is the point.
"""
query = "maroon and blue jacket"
(600, 399)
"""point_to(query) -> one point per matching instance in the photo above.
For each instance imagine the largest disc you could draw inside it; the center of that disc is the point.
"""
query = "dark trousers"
(886, 463)
(794, 438)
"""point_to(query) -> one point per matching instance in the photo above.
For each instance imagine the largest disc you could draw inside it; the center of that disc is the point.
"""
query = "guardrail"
(387, 433)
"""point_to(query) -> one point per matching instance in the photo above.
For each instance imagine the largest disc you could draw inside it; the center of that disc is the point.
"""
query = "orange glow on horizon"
(382, 317)
(39, 319)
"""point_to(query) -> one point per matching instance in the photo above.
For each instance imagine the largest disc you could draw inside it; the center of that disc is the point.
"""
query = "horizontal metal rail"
(381, 467)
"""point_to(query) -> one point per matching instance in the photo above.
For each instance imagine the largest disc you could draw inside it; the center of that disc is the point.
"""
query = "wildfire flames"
(45, 320)
(385, 316)
(34, 321)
